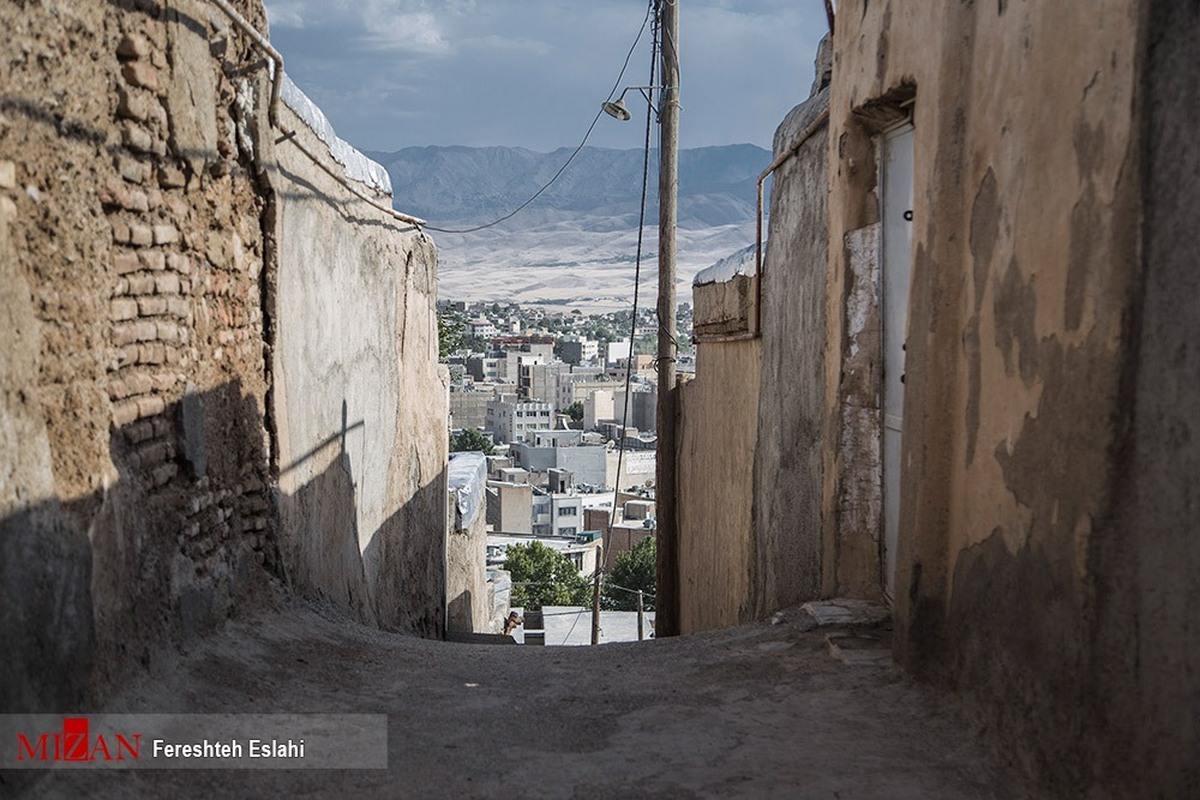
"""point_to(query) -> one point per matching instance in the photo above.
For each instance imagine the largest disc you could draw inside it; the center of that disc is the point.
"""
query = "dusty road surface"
(760, 711)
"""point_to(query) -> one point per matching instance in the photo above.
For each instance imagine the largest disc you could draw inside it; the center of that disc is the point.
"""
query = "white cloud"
(412, 26)
(399, 72)
(498, 43)
(285, 14)
(394, 29)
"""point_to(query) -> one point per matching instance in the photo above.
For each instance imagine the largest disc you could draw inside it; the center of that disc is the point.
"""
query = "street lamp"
(616, 109)
(667, 113)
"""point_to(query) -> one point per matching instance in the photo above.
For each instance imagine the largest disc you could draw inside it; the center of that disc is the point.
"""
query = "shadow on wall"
(461, 615)
(321, 548)
(351, 209)
(93, 586)
(397, 580)
(46, 618)
(405, 562)
(96, 588)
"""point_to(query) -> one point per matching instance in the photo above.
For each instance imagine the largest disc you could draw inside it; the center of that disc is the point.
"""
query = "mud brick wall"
(188, 258)
(173, 374)
(138, 452)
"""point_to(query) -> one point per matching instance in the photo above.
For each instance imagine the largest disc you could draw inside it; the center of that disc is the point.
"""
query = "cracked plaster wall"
(359, 402)
(1021, 568)
(751, 421)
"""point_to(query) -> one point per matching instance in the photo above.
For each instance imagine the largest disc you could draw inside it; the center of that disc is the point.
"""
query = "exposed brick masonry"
(183, 293)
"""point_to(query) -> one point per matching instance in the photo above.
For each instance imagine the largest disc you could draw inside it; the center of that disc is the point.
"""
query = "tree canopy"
(574, 411)
(550, 577)
(634, 569)
(452, 332)
(471, 440)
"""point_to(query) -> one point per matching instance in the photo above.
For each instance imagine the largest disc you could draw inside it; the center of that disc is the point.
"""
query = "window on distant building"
(577, 557)
(567, 511)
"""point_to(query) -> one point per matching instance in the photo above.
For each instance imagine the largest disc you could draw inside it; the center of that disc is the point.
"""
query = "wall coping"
(356, 165)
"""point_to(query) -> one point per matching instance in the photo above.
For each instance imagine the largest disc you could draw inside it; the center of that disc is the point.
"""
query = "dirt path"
(757, 711)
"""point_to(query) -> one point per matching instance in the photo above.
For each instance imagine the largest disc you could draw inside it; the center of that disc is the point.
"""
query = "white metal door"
(896, 177)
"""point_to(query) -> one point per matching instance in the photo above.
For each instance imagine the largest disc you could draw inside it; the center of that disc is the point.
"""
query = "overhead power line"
(637, 279)
(574, 155)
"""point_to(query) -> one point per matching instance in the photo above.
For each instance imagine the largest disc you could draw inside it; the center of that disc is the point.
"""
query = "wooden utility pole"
(667, 604)
(641, 609)
(596, 604)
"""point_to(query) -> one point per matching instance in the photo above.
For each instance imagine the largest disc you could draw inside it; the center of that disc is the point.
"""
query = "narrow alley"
(757, 711)
(958, 380)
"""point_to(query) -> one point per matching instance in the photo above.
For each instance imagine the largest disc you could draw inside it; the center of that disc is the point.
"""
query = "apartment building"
(512, 420)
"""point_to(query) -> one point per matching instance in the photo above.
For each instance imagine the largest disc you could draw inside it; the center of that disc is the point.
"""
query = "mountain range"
(574, 246)
(475, 184)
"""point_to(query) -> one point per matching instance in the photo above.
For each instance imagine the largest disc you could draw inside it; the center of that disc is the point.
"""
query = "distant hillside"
(600, 191)
(575, 246)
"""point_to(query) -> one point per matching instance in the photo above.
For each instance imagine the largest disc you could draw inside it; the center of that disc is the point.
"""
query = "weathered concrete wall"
(510, 508)
(723, 307)
(718, 428)
(1146, 556)
(133, 497)
(358, 401)
(1025, 304)
(468, 409)
(750, 474)
(620, 538)
(787, 466)
(586, 464)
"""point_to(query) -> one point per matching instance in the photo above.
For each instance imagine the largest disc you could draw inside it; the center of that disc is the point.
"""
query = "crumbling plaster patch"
(1024, 271)
(859, 504)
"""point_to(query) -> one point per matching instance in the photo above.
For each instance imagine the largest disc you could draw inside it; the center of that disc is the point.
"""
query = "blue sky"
(532, 73)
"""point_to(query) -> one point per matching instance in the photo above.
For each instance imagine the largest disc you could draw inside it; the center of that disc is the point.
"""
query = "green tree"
(574, 411)
(471, 440)
(452, 332)
(476, 343)
(634, 569)
(645, 346)
(544, 577)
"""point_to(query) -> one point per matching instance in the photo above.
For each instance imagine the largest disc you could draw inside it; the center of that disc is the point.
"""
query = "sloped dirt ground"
(757, 711)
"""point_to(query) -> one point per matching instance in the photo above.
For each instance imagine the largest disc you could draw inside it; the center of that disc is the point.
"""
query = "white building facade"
(515, 421)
